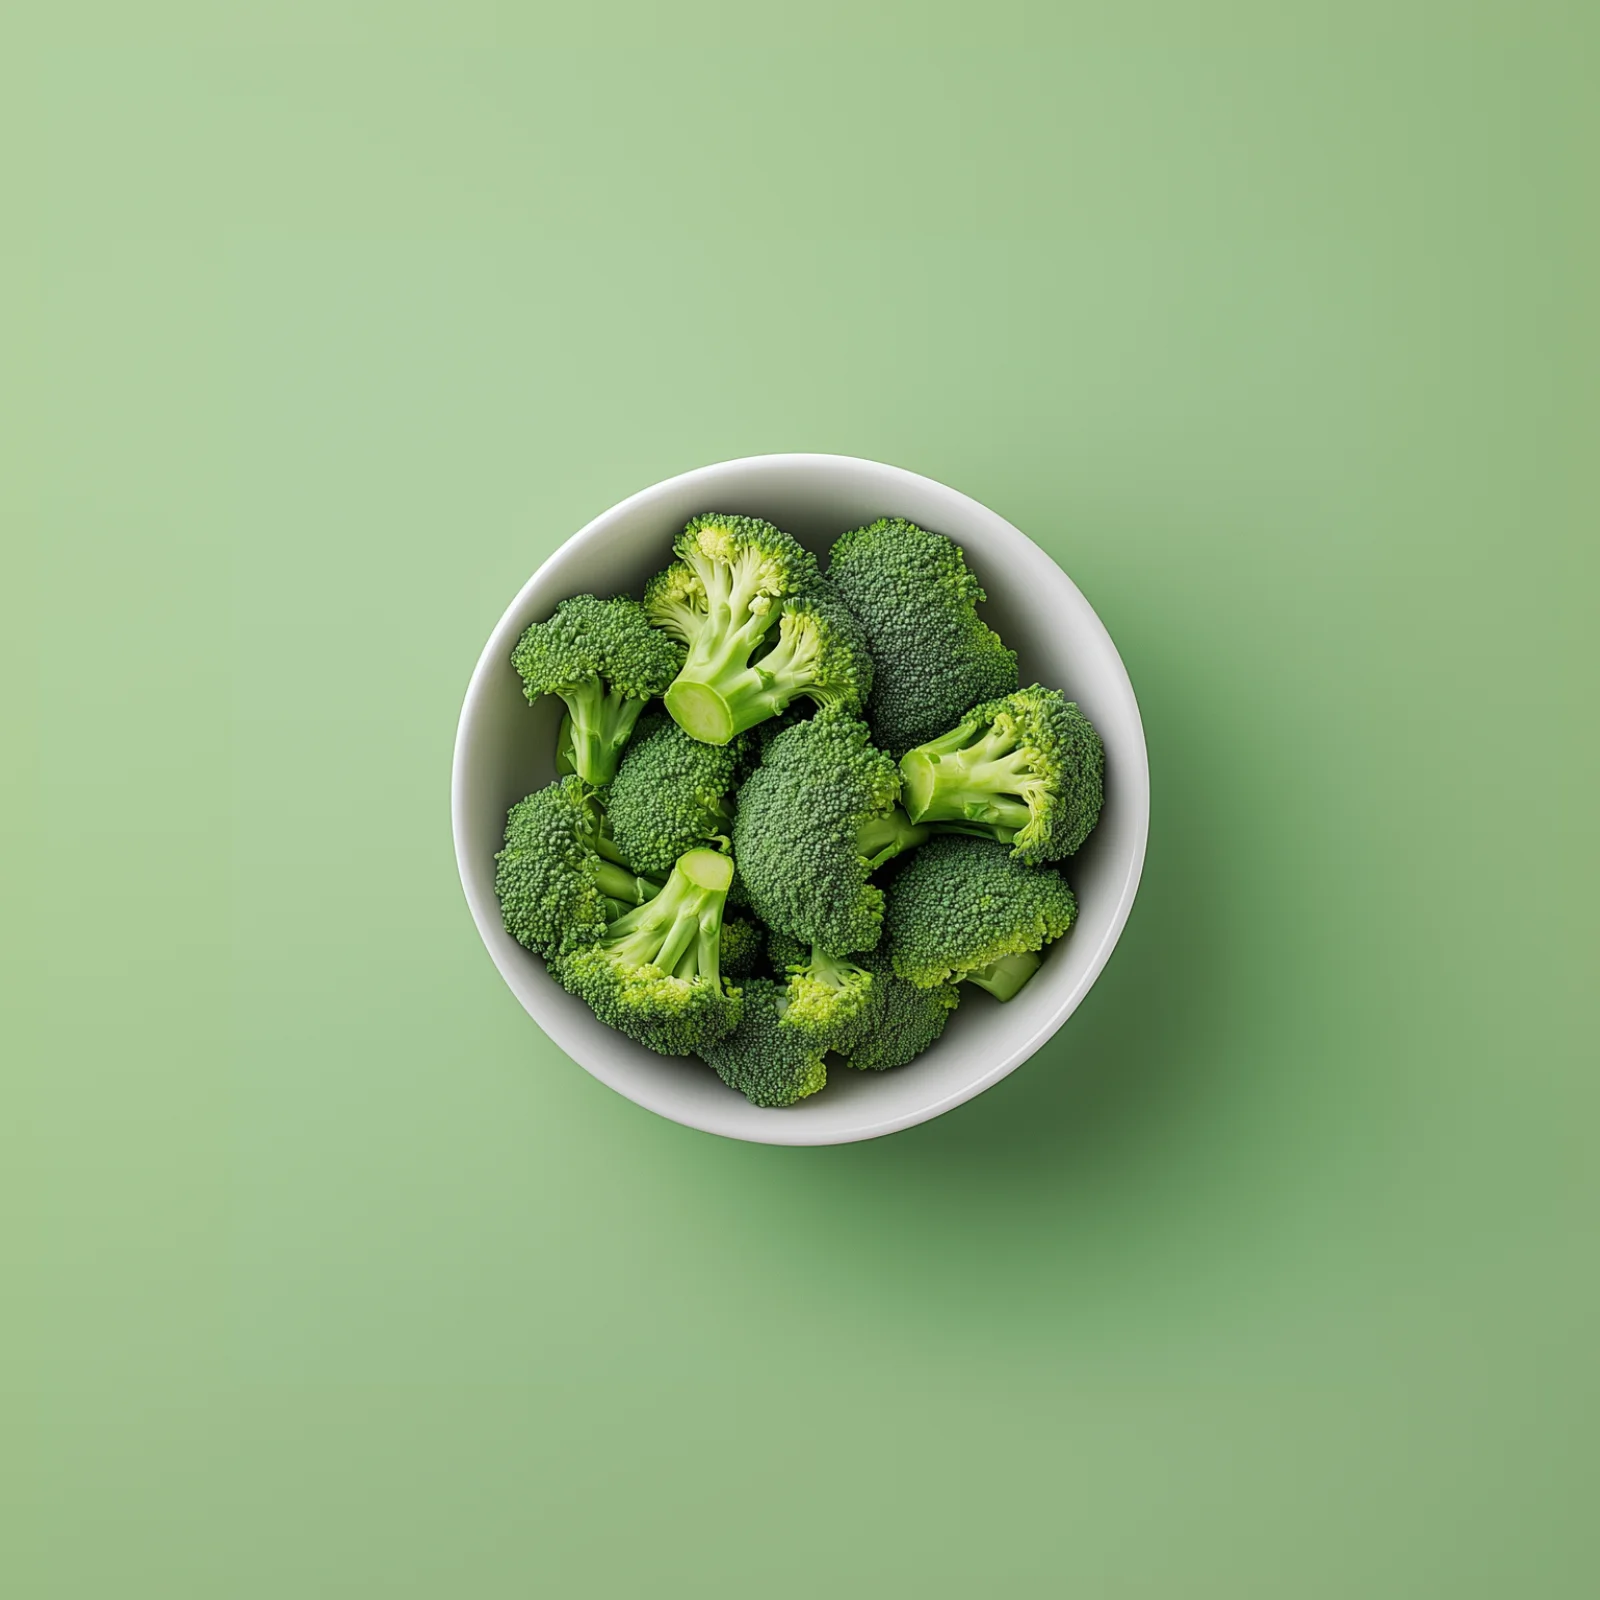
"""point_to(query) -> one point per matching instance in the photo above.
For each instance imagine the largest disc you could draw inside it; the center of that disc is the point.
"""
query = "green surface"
(1273, 1276)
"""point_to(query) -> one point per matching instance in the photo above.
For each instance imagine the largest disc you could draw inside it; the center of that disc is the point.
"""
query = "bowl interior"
(505, 750)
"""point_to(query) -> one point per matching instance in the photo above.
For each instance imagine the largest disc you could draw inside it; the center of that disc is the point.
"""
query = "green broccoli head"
(655, 975)
(961, 905)
(553, 877)
(744, 945)
(900, 1020)
(670, 794)
(814, 820)
(769, 1059)
(819, 652)
(831, 995)
(916, 601)
(605, 661)
(675, 601)
(732, 573)
(760, 625)
(1027, 770)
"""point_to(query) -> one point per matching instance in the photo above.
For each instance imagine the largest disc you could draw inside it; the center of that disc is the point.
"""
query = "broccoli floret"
(769, 1058)
(744, 946)
(961, 905)
(1027, 770)
(742, 589)
(830, 993)
(670, 794)
(656, 975)
(558, 876)
(900, 1020)
(675, 600)
(605, 661)
(815, 819)
(915, 598)
(819, 652)
(731, 572)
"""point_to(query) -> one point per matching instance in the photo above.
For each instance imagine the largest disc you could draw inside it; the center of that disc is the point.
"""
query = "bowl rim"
(1133, 777)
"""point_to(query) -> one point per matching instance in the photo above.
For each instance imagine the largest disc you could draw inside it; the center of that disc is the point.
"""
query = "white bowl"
(504, 750)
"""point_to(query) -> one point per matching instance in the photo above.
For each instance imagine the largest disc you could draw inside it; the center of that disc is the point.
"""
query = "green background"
(1273, 1275)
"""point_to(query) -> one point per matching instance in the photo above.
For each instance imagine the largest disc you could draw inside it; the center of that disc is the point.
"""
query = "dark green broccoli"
(752, 746)
(744, 946)
(915, 598)
(1027, 770)
(655, 975)
(831, 994)
(769, 1058)
(814, 820)
(761, 626)
(900, 1020)
(558, 876)
(605, 661)
(961, 906)
(670, 794)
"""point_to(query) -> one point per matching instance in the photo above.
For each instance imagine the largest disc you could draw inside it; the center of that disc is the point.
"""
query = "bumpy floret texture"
(731, 571)
(590, 638)
(1028, 769)
(832, 995)
(670, 794)
(900, 1020)
(671, 1015)
(743, 947)
(552, 883)
(768, 1058)
(961, 903)
(915, 599)
(795, 837)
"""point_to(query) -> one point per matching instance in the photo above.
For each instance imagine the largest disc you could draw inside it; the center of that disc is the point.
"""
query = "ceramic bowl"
(504, 749)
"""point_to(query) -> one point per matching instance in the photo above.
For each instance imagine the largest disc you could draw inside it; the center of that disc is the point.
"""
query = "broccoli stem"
(564, 764)
(1003, 978)
(833, 970)
(947, 780)
(606, 848)
(617, 883)
(883, 838)
(680, 929)
(719, 694)
(602, 723)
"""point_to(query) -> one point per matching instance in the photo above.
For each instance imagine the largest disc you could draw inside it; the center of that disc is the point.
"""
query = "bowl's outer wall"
(504, 750)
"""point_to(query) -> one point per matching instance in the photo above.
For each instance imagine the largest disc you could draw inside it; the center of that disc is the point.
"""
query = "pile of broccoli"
(846, 813)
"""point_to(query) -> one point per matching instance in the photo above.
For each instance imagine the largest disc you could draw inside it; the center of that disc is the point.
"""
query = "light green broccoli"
(655, 974)
(760, 625)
